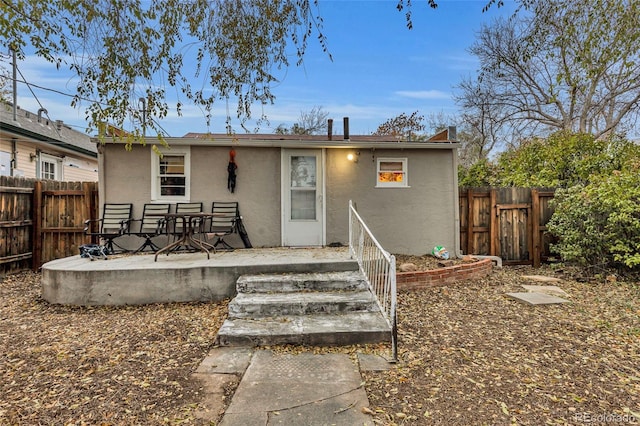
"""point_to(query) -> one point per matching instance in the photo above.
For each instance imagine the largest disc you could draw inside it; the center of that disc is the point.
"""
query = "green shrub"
(479, 174)
(599, 222)
(564, 159)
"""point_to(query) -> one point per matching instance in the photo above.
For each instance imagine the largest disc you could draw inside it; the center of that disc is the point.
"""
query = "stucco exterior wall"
(257, 188)
(404, 220)
(126, 178)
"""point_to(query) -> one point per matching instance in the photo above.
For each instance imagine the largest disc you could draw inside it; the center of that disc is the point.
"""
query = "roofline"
(352, 143)
(46, 139)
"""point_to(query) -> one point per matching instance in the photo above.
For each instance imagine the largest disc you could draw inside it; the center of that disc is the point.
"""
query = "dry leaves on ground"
(467, 355)
(99, 365)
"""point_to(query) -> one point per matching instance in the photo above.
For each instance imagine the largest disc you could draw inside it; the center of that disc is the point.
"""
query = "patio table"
(187, 238)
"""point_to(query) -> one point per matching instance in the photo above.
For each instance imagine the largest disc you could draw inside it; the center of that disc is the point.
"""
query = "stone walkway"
(275, 388)
(540, 294)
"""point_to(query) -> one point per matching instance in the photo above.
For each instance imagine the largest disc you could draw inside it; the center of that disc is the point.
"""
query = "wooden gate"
(16, 225)
(60, 214)
(506, 222)
(42, 220)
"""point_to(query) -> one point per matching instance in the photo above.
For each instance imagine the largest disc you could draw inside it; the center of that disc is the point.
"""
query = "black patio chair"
(223, 222)
(115, 222)
(152, 224)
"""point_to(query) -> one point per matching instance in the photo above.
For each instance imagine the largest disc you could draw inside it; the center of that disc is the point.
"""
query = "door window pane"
(303, 204)
(303, 172)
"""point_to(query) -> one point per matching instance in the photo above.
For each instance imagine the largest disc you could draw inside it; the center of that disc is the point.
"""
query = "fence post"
(470, 208)
(87, 202)
(535, 222)
(36, 239)
(494, 234)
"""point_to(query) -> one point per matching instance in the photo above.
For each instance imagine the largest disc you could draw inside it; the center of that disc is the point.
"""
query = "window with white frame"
(392, 173)
(5, 163)
(170, 180)
(50, 167)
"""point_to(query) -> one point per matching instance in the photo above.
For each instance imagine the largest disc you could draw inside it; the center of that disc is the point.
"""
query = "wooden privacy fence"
(507, 222)
(42, 220)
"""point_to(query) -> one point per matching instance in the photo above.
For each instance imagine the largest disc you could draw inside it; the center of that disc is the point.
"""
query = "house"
(32, 146)
(295, 190)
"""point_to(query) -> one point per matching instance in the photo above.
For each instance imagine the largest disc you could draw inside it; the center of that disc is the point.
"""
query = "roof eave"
(46, 139)
(287, 143)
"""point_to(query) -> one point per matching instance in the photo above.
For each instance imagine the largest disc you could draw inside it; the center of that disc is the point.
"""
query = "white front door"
(302, 197)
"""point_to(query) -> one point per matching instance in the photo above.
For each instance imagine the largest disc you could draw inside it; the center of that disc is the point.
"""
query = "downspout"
(456, 204)
(101, 147)
(13, 164)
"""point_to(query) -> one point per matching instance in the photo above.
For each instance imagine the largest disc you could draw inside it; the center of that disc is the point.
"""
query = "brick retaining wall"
(443, 276)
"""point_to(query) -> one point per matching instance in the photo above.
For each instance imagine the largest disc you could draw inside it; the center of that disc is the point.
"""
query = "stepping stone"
(370, 362)
(553, 290)
(226, 360)
(536, 298)
(541, 278)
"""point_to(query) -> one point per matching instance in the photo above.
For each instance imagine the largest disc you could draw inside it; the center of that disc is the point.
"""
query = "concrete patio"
(177, 277)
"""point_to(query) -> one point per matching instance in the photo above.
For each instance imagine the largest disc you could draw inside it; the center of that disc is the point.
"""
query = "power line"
(31, 85)
(59, 92)
(38, 100)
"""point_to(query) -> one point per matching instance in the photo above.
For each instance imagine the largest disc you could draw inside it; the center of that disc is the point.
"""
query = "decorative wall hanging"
(231, 169)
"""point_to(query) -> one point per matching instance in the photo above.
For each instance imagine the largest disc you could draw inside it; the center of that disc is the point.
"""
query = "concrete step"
(313, 329)
(326, 281)
(256, 305)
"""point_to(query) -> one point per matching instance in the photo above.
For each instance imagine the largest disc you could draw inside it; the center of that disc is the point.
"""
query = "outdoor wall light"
(353, 157)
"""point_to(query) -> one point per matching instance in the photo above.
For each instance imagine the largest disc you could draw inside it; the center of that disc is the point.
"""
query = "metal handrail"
(379, 269)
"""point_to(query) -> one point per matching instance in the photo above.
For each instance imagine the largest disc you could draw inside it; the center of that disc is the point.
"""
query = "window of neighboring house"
(392, 173)
(170, 180)
(50, 167)
(5, 163)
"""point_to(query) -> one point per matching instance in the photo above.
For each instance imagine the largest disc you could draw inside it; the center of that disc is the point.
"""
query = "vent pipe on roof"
(59, 124)
(345, 124)
(40, 111)
(452, 134)
(330, 129)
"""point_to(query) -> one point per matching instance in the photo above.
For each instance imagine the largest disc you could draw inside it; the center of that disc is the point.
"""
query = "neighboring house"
(32, 146)
(294, 190)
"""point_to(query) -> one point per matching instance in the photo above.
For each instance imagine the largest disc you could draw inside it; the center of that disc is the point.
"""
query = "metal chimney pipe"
(345, 124)
(40, 111)
(330, 129)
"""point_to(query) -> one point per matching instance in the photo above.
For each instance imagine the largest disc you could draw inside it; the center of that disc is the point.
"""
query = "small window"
(392, 173)
(171, 175)
(50, 167)
(5, 163)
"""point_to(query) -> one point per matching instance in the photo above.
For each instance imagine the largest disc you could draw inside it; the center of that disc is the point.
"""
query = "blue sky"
(380, 69)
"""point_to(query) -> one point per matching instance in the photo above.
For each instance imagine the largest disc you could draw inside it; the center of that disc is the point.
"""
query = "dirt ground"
(467, 356)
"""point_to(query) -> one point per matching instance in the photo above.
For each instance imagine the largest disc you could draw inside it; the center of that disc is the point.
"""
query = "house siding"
(257, 188)
(32, 135)
(26, 167)
(83, 173)
(404, 220)
(127, 179)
